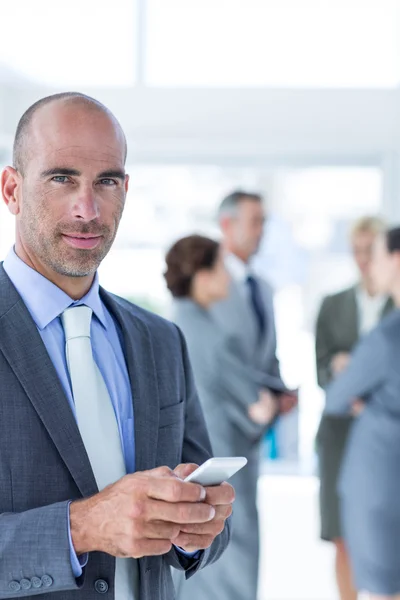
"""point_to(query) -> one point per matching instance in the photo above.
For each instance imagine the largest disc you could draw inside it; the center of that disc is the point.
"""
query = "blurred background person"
(246, 316)
(236, 407)
(342, 320)
(247, 313)
(369, 484)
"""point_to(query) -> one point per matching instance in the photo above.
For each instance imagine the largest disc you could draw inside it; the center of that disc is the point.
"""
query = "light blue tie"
(97, 425)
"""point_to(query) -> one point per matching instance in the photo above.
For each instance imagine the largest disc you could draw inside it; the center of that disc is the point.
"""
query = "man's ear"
(224, 222)
(397, 258)
(10, 188)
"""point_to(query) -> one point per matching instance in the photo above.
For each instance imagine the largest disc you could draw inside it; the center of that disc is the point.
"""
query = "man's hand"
(287, 402)
(144, 514)
(357, 407)
(198, 536)
(265, 409)
(339, 362)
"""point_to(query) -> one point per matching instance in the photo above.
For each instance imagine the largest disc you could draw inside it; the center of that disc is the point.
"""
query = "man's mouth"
(81, 240)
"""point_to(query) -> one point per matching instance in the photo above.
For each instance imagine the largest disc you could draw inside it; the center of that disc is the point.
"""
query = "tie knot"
(251, 280)
(76, 322)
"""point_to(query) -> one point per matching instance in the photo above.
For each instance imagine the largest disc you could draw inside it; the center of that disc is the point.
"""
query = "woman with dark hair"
(236, 407)
(197, 278)
(369, 485)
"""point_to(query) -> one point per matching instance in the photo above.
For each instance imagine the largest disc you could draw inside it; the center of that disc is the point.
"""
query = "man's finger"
(213, 527)
(153, 548)
(191, 543)
(173, 489)
(181, 513)
(220, 494)
(160, 530)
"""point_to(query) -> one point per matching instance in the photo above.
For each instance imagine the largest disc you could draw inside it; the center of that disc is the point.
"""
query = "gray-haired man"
(247, 318)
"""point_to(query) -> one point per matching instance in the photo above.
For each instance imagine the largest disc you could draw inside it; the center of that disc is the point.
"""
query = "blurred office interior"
(296, 99)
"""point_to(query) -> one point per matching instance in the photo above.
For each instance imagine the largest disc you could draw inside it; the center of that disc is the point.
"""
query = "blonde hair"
(374, 225)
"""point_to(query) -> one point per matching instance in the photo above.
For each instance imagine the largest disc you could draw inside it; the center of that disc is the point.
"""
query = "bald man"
(99, 417)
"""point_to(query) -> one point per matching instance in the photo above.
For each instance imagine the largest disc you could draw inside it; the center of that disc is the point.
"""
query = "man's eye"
(60, 179)
(107, 181)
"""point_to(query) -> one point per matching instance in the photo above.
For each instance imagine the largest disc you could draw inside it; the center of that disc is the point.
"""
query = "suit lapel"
(268, 346)
(24, 350)
(140, 361)
(389, 306)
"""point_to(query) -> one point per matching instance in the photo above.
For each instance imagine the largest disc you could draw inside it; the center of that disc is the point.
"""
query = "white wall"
(257, 126)
(241, 121)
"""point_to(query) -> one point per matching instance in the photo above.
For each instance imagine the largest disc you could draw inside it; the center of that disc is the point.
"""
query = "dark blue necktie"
(257, 304)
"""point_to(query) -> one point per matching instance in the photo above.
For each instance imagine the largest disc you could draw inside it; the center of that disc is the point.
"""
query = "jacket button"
(47, 581)
(36, 582)
(101, 586)
(25, 584)
(14, 586)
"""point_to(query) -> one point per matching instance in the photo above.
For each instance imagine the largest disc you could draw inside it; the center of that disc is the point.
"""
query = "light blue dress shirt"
(46, 302)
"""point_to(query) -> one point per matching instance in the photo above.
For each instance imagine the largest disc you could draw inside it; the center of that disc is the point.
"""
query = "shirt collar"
(363, 296)
(238, 269)
(44, 300)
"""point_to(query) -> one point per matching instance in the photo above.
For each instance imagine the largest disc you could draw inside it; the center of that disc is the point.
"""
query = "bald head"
(22, 149)
(68, 186)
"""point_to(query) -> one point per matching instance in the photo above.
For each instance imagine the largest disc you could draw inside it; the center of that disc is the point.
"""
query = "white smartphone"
(217, 470)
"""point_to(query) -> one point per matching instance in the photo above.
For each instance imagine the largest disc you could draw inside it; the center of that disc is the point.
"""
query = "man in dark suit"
(99, 417)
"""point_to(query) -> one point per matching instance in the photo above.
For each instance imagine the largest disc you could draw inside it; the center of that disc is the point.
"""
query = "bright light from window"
(78, 42)
(280, 43)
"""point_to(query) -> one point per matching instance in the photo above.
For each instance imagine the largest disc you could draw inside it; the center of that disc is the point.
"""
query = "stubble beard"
(56, 255)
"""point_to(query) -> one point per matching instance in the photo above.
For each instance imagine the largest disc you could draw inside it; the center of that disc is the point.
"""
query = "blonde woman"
(369, 485)
(343, 319)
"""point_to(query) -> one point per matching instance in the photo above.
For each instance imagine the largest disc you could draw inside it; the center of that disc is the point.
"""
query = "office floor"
(294, 564)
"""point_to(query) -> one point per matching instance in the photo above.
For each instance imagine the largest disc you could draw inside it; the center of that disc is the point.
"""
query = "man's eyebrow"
(61, 171)
(112, 174)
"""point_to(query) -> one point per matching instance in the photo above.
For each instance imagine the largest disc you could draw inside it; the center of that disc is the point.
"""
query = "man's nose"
(86, 206)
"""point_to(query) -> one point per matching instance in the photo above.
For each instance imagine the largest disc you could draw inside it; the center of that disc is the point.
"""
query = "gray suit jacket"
(369, 484)
(337, 330)
(230, 367)
(227, 383)
(370, 477)
(43, 463)
(235, 318)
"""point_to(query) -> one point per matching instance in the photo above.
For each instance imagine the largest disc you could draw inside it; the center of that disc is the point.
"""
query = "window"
(279, 43)
(75, 43)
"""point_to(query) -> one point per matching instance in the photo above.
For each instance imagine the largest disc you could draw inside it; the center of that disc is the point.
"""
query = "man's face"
(362, 246)
(72, 192)
(246, 228)
(384, 266)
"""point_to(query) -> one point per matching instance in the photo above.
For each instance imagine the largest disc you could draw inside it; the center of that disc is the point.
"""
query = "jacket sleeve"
(324, 348)
(273, 368)
(240, 384)
(365, 373)
(35, 552)
(196, 449)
